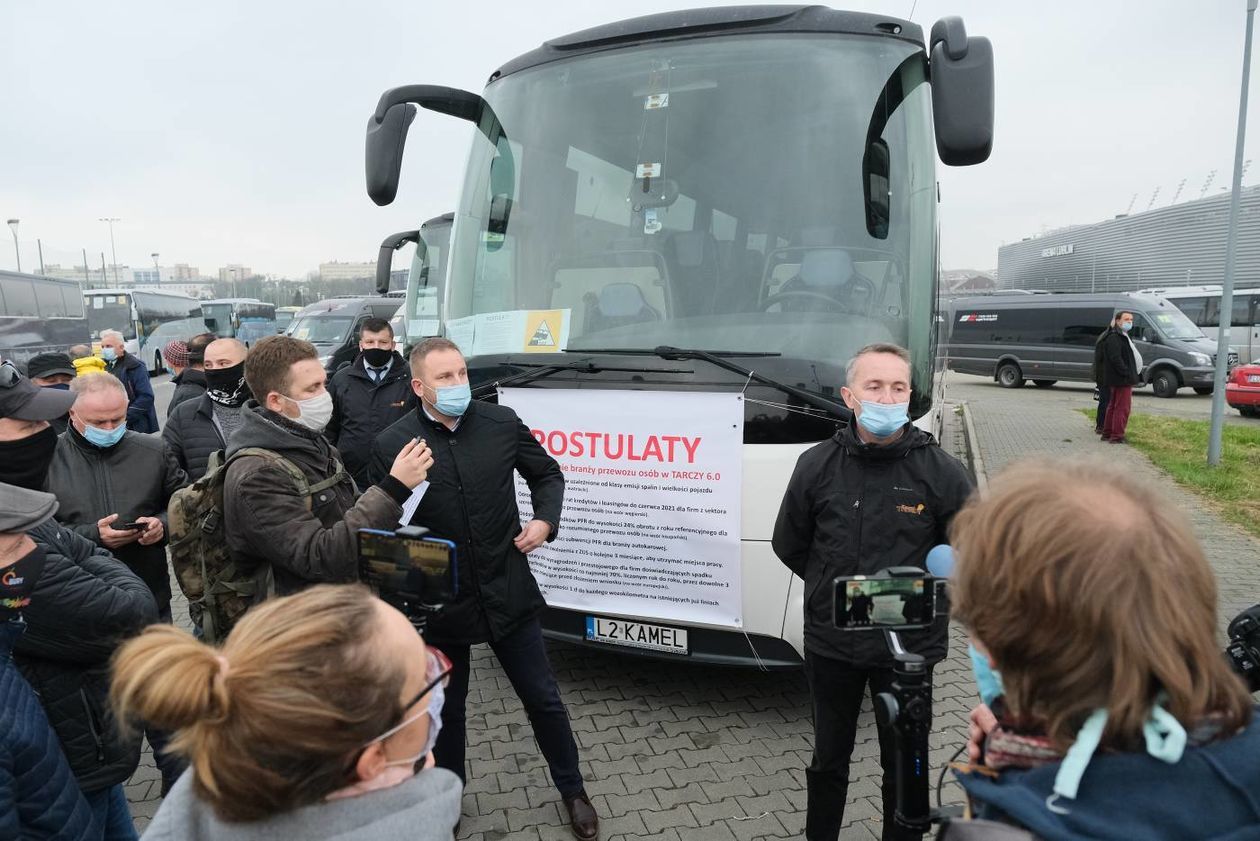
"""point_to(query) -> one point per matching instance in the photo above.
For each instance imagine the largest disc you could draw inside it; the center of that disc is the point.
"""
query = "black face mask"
(227, 387)
(17, 581)
(25, 462)
(377, 357)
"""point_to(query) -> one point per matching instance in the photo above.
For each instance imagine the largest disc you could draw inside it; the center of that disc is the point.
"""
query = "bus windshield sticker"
(651, 223)
(655, 101)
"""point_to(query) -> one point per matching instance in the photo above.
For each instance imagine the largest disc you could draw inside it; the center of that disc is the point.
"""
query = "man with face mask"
(368, 395)
(305, 538)
(52, 370)
(114, 484)
(203, 425)
(878, 494)
(82, 604)
(132, 373)
(472, 501)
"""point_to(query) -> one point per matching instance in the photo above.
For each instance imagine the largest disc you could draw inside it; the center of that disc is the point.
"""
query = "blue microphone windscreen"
(940, 560)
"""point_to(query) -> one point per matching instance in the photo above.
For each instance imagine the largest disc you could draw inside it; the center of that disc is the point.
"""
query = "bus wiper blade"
(816, 401)
(540, 370)
(657, 352)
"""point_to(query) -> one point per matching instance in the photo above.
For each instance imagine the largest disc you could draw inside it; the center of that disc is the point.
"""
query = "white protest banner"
(651, 505)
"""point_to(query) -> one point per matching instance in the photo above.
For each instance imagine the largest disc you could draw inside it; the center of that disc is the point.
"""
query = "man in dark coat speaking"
(470, 498)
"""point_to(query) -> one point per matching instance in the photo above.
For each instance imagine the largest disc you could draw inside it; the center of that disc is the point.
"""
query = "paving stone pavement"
(692, 752)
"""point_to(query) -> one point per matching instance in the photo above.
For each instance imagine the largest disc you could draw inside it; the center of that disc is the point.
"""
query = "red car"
(1242, 390)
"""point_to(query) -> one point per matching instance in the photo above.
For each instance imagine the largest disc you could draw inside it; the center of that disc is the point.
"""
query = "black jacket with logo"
(134, 478)
(471, 500)
(84, 605)
(853, 508)
(363, 409)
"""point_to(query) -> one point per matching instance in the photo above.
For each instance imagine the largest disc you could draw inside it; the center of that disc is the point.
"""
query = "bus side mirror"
(387, 130)
(385, 259)
(962, 93)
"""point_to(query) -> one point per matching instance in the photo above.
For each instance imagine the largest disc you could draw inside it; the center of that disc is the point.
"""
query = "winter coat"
(363, 409)
(1096, 369)
(423, 808)
(853, 508)
(39, 796)
(192, 435)
(266, 521)
(90, 365)
(84, 605)
(134, 478)
(1119, 366)
(141, 411)
(471, 500)
(1211, 793)
(189, 385)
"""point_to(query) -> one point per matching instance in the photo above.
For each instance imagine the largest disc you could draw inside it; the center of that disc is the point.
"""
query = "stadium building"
(1179, 245)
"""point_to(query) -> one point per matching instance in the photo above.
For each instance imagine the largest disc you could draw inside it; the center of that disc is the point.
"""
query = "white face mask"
(315, 412)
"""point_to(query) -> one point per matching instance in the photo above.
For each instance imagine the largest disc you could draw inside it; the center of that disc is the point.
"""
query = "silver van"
(333, 325)
(1047, 337)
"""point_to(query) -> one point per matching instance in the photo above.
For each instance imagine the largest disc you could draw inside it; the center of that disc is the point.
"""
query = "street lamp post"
(13, 223)
(1231, 249)
(156, 268)
(112, 250)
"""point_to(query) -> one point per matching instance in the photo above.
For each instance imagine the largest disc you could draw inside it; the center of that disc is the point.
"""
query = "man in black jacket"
(879, 494)
(1121, 370)
(190, 375)
(1096, 370)
(470, 499)
(203, 425)
(83, 605)
(114, 484)
(368, 395)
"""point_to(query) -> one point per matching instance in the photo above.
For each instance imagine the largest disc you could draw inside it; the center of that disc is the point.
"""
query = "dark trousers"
(1104, 396)
(1119, 404)
(836, 691)
(113, 815)
(523, 657)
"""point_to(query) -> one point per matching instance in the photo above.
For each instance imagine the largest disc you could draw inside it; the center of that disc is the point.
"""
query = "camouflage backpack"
(218, 591)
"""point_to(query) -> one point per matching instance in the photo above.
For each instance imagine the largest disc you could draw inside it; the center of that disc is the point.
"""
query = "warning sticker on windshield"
(655, 101)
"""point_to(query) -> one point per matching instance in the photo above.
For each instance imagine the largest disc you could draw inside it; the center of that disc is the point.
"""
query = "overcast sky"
(233, 131)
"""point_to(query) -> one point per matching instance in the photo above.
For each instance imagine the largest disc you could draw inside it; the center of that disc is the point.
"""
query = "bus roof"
(234, 301)
(146, 289)
(1058, 299)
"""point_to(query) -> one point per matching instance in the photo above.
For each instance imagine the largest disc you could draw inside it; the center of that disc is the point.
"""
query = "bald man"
(200, 427)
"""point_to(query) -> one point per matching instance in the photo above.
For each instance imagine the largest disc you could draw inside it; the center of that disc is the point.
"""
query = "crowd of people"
(321, 713)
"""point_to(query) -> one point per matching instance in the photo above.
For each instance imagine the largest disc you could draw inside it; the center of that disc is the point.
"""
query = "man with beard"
(200, 427)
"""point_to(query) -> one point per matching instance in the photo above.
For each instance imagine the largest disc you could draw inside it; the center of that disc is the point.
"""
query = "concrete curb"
(973, 447)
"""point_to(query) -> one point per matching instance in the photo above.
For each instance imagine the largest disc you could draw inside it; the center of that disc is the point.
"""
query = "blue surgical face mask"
(883, 419)
(988, 681)
(453, 400)
(104, 437)
(1126, 326)
(108, 354)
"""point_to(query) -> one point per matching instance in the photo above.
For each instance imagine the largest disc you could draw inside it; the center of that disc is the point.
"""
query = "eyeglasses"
(9, 375)
(439, 669)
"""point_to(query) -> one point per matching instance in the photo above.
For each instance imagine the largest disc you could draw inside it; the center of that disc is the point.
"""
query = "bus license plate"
(636, 635)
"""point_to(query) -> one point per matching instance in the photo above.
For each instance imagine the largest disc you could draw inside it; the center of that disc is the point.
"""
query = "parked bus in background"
(246, 319)
(421, 314)
(147, 319)
(1202, 305)
(39, 315)
(284, 317)
(694, 205)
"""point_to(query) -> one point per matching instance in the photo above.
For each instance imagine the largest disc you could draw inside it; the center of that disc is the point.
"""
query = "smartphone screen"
(421, 570)
(863, 603)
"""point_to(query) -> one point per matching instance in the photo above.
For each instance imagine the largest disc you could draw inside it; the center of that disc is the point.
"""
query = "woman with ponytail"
(310, 722)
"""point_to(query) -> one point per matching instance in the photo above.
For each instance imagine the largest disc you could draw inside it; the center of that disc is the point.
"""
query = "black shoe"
(582, 818)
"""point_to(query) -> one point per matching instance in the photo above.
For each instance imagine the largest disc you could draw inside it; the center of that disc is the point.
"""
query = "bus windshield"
(767, 193)
(1173, 323)
(110, 312)
(218, 318)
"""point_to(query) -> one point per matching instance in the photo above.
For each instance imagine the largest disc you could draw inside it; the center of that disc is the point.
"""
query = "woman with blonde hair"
(1109, 710)
(309, 723)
